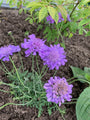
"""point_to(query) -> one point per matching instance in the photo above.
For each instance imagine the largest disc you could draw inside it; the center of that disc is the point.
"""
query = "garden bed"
(78, 55)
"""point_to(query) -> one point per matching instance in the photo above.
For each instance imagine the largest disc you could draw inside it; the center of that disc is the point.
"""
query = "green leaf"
(87, 73)
(81, 31)
(53, 13)
(42, 13)
(21, 10)
(84, 21)
(34, 4)
(88, 33)
(63, 45)
(87, 76)
(83, 105)
(73, 27)
(83, 2)
(63, 12)
(77, 72)
(70, 35)
(87, 70)
(31, 21)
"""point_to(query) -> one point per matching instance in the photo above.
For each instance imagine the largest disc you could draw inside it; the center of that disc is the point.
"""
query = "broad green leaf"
(84, 21)
(83, 105)
(34, 4)
(78, 73)
(63, 12)
(53, 13)
(42, 13)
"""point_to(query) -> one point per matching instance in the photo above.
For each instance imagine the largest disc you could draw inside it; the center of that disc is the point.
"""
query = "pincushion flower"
(58, 90)
(53, 56)
(33, 45)
(6, 51)
(51, 20)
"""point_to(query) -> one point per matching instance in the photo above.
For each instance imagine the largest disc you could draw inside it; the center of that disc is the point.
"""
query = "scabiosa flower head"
(58, 90)
(53, 56)
(32, 45)
(6, 51)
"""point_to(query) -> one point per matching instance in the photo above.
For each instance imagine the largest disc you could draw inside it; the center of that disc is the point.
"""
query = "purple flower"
(51, 21)
(6, 51)
(32, 45)
(53, 56)
(58, 90)
(68, 18)
(60, 17)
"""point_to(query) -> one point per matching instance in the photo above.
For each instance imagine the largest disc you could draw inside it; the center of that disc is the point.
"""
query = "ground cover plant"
(28, 87)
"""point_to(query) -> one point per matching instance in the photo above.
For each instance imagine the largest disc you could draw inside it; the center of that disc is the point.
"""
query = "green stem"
(4, 91)
(45, 72)
(32, 62)
(80, 80)
(4, 66)
(7, 84)
(74, 8)
(59, 33)
(61, 111)
(3, 70)
(43, 69)
(74, 99)
(37, 65)
(69, 103)
(13, 104)
(17, 74)
(55, 73)
(22, 97)
(18, 52)
(8, 73)
(70, 79)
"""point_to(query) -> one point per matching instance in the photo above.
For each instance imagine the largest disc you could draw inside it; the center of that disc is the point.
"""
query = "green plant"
(27, 87)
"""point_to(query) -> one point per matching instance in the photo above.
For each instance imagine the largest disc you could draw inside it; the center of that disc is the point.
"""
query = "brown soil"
(78, 54)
